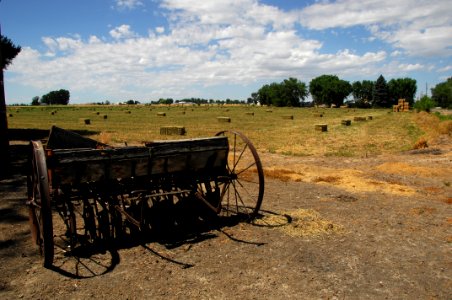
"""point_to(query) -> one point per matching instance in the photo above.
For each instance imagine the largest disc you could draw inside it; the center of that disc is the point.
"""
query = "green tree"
(264, 95)
(290, 92)
(402, 88)
(425, 103)
(293, 91)
(132, 102)
(380, 96)
(442, 93)
(56, 97)
(329, 89)
(35, 100)
(362, 93)
(8, 51)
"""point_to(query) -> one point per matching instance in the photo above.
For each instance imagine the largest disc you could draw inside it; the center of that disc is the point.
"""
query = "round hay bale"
(161, 114)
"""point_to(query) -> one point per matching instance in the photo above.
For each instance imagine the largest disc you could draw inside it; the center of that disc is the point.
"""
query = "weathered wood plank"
(64, 139)
(206, 156)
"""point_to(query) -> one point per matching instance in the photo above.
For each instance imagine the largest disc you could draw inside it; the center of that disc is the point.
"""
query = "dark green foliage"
(442, 93)
(35, 100)
(425, 103)
(290, 92)
(56, 97)
(380, 97)
(402, 88)
(362, 93)
(9, 51)
(329, 89)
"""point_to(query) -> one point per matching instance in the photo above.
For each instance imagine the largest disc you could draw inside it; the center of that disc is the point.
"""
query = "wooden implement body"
(190, 157)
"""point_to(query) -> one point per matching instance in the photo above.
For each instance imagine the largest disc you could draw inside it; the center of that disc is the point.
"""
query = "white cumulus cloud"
(241, 42)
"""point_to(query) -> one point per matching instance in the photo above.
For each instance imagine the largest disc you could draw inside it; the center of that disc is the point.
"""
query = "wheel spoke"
(242, 193)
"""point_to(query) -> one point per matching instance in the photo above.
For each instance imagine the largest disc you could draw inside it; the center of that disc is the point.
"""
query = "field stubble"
(270, 131)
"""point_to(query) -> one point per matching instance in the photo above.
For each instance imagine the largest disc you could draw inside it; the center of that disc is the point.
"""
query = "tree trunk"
(4, 141)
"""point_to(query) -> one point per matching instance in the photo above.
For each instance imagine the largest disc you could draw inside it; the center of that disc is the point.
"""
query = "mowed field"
(288, 131)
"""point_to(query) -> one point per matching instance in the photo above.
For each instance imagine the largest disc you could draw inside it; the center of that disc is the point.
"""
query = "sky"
(144, 50)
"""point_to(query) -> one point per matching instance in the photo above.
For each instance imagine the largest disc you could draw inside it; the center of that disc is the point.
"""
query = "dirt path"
(360, 228)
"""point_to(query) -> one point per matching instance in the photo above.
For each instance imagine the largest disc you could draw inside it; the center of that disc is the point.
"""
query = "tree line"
(331, 90)
(60, 97)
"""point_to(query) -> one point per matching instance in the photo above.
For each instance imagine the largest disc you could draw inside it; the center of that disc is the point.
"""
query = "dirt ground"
(332, 228)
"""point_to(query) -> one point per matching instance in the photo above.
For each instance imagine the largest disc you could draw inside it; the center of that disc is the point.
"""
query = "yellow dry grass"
(350, 180)
(303, 223)
(432, 126)
(407, 169)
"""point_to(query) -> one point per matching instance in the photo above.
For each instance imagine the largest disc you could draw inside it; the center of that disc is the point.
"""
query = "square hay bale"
(224, 119)
(359, 119)
(321, 127)
(288, 117)
(269, 110)
(346, 122)
(249, 113)
(161, 114)
(172, 130)
(318, 115)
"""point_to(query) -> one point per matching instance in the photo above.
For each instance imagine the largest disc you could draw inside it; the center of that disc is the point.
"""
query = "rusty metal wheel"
(243, 190)
(40, 213)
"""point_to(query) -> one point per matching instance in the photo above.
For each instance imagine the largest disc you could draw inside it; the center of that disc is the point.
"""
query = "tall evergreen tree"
(380, 97)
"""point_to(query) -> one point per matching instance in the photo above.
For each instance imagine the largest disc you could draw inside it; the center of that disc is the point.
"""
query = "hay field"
(289, 131)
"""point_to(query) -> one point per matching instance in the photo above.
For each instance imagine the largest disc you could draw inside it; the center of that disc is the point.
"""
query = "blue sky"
(144, 50)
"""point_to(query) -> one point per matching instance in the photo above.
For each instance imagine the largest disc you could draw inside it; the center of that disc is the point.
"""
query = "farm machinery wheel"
(242, 192)
(40, 213)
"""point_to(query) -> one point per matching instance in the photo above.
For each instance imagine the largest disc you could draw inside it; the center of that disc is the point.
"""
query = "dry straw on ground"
(302, 223)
